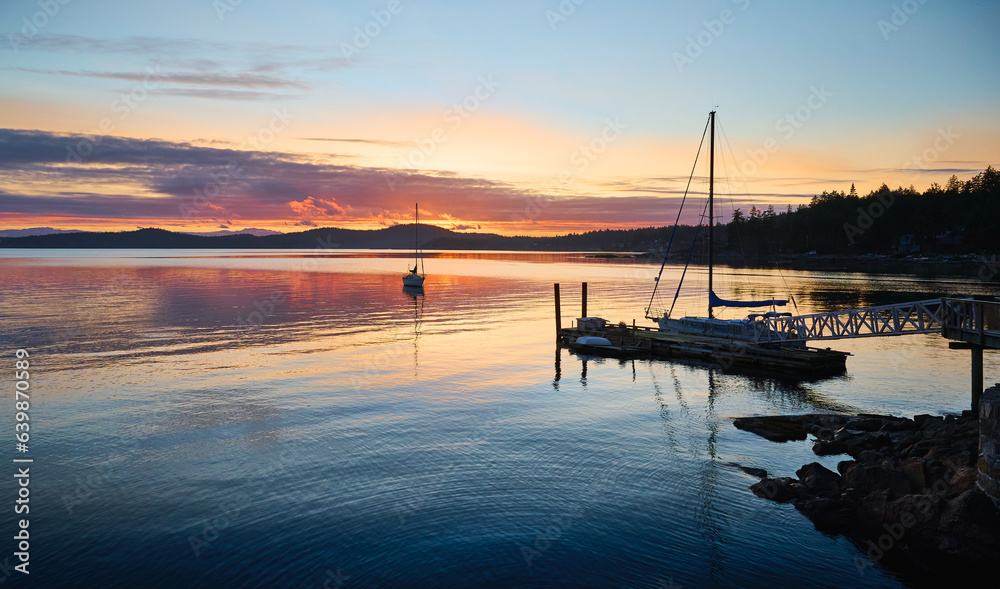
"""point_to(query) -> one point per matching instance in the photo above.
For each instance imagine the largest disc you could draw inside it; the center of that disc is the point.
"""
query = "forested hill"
(397, 237)
(960, 217)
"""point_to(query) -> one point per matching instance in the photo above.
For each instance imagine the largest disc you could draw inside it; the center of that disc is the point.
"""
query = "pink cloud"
(311, 208)
(385, 218)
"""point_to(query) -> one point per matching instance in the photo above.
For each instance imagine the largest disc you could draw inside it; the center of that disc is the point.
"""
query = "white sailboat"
(414, 278)
(737, 329)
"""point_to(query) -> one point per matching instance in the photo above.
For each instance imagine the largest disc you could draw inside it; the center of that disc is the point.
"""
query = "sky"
(516, 117)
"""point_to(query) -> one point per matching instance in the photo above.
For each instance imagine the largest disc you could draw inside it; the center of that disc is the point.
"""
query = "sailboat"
(748, 329)
(414, 278)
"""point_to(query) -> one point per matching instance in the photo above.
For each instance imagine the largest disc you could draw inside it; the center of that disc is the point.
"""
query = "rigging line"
(688, 261)
(767, 242)
(742, 244)
(677, 220)
(729, 187)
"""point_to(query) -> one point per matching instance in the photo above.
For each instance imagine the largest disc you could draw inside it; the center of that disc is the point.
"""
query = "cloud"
(155, 181)
(244, 80)
(171, 47)
(249, 71)
(171, 53)
(222, 94)
(371, 141)
(385, 218)
(312, 208)
(151, 178)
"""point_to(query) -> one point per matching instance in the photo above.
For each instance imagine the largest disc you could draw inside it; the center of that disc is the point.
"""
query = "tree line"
(960, 217)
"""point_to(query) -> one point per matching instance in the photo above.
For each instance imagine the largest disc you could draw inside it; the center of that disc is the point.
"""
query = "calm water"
(274, 419)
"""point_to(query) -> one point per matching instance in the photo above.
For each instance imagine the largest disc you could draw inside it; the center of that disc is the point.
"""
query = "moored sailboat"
(414, 278)
(747, 329)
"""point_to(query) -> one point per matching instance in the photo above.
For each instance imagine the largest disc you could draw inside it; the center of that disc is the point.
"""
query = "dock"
(971, 323)
(777, 358)
(727, 354)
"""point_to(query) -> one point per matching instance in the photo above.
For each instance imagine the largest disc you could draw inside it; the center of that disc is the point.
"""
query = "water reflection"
(417, 294)
(113, 313)
(416, 438)
(558, 365)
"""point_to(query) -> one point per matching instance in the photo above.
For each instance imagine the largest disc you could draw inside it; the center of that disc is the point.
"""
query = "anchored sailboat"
(741, 329)
(414, 278)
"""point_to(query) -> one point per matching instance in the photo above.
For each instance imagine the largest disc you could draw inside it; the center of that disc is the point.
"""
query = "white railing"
(973, 321)
(899, 319)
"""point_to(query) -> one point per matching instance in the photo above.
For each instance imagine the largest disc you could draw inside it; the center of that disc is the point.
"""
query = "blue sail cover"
(715, 301)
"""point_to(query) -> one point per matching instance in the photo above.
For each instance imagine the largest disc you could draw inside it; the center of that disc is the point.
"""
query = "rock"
(868, 456)
(818, 479)
(757, 472)
(874, 441)
(913, 469)
(784, 428)
(776, 429)
(924, 420)
(830, 448)
(872, 508)
(827, 514)
(844, 465)
(956, 512)
(914, 512)
(963, 480)
(865, 424)
(972, 519)
(906, 442)
(911, 481)
(866, 477)
(781, 489)
(899, 425)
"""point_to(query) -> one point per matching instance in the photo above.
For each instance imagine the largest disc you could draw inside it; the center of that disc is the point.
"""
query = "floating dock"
(778, 358)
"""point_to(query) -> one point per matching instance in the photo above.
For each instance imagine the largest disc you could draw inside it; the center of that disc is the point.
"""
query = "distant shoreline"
(400, 237)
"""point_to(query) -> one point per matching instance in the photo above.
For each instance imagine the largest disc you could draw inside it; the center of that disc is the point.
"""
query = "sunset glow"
(525, 118)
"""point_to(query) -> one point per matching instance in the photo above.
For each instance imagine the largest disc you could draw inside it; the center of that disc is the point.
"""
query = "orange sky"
(263, 119)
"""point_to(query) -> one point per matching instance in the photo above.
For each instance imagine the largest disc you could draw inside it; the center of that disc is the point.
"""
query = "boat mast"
(711, 209)
(416, 239)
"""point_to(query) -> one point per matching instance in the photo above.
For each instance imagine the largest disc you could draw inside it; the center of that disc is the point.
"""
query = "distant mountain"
(225, 232)
(35, 231)
(397, 237)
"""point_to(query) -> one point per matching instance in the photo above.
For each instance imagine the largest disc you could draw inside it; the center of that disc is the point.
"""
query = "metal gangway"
(955, 318)
(899, 319)
(971, 323)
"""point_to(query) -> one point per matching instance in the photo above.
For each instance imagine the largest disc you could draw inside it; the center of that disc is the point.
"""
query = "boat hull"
(744, 330)
(413, 280)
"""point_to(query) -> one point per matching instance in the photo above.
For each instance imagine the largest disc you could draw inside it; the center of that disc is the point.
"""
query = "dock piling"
(977, 376)
(558, 312)
(583, 313)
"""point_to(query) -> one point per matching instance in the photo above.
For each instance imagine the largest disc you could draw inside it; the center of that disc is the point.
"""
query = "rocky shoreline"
(907, 497)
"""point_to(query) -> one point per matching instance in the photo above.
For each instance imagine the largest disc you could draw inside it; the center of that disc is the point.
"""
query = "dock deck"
(779, 358)
(725, 353)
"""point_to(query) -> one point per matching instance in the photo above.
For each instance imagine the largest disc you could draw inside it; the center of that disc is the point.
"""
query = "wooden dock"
(727, 354)
(776, 358)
